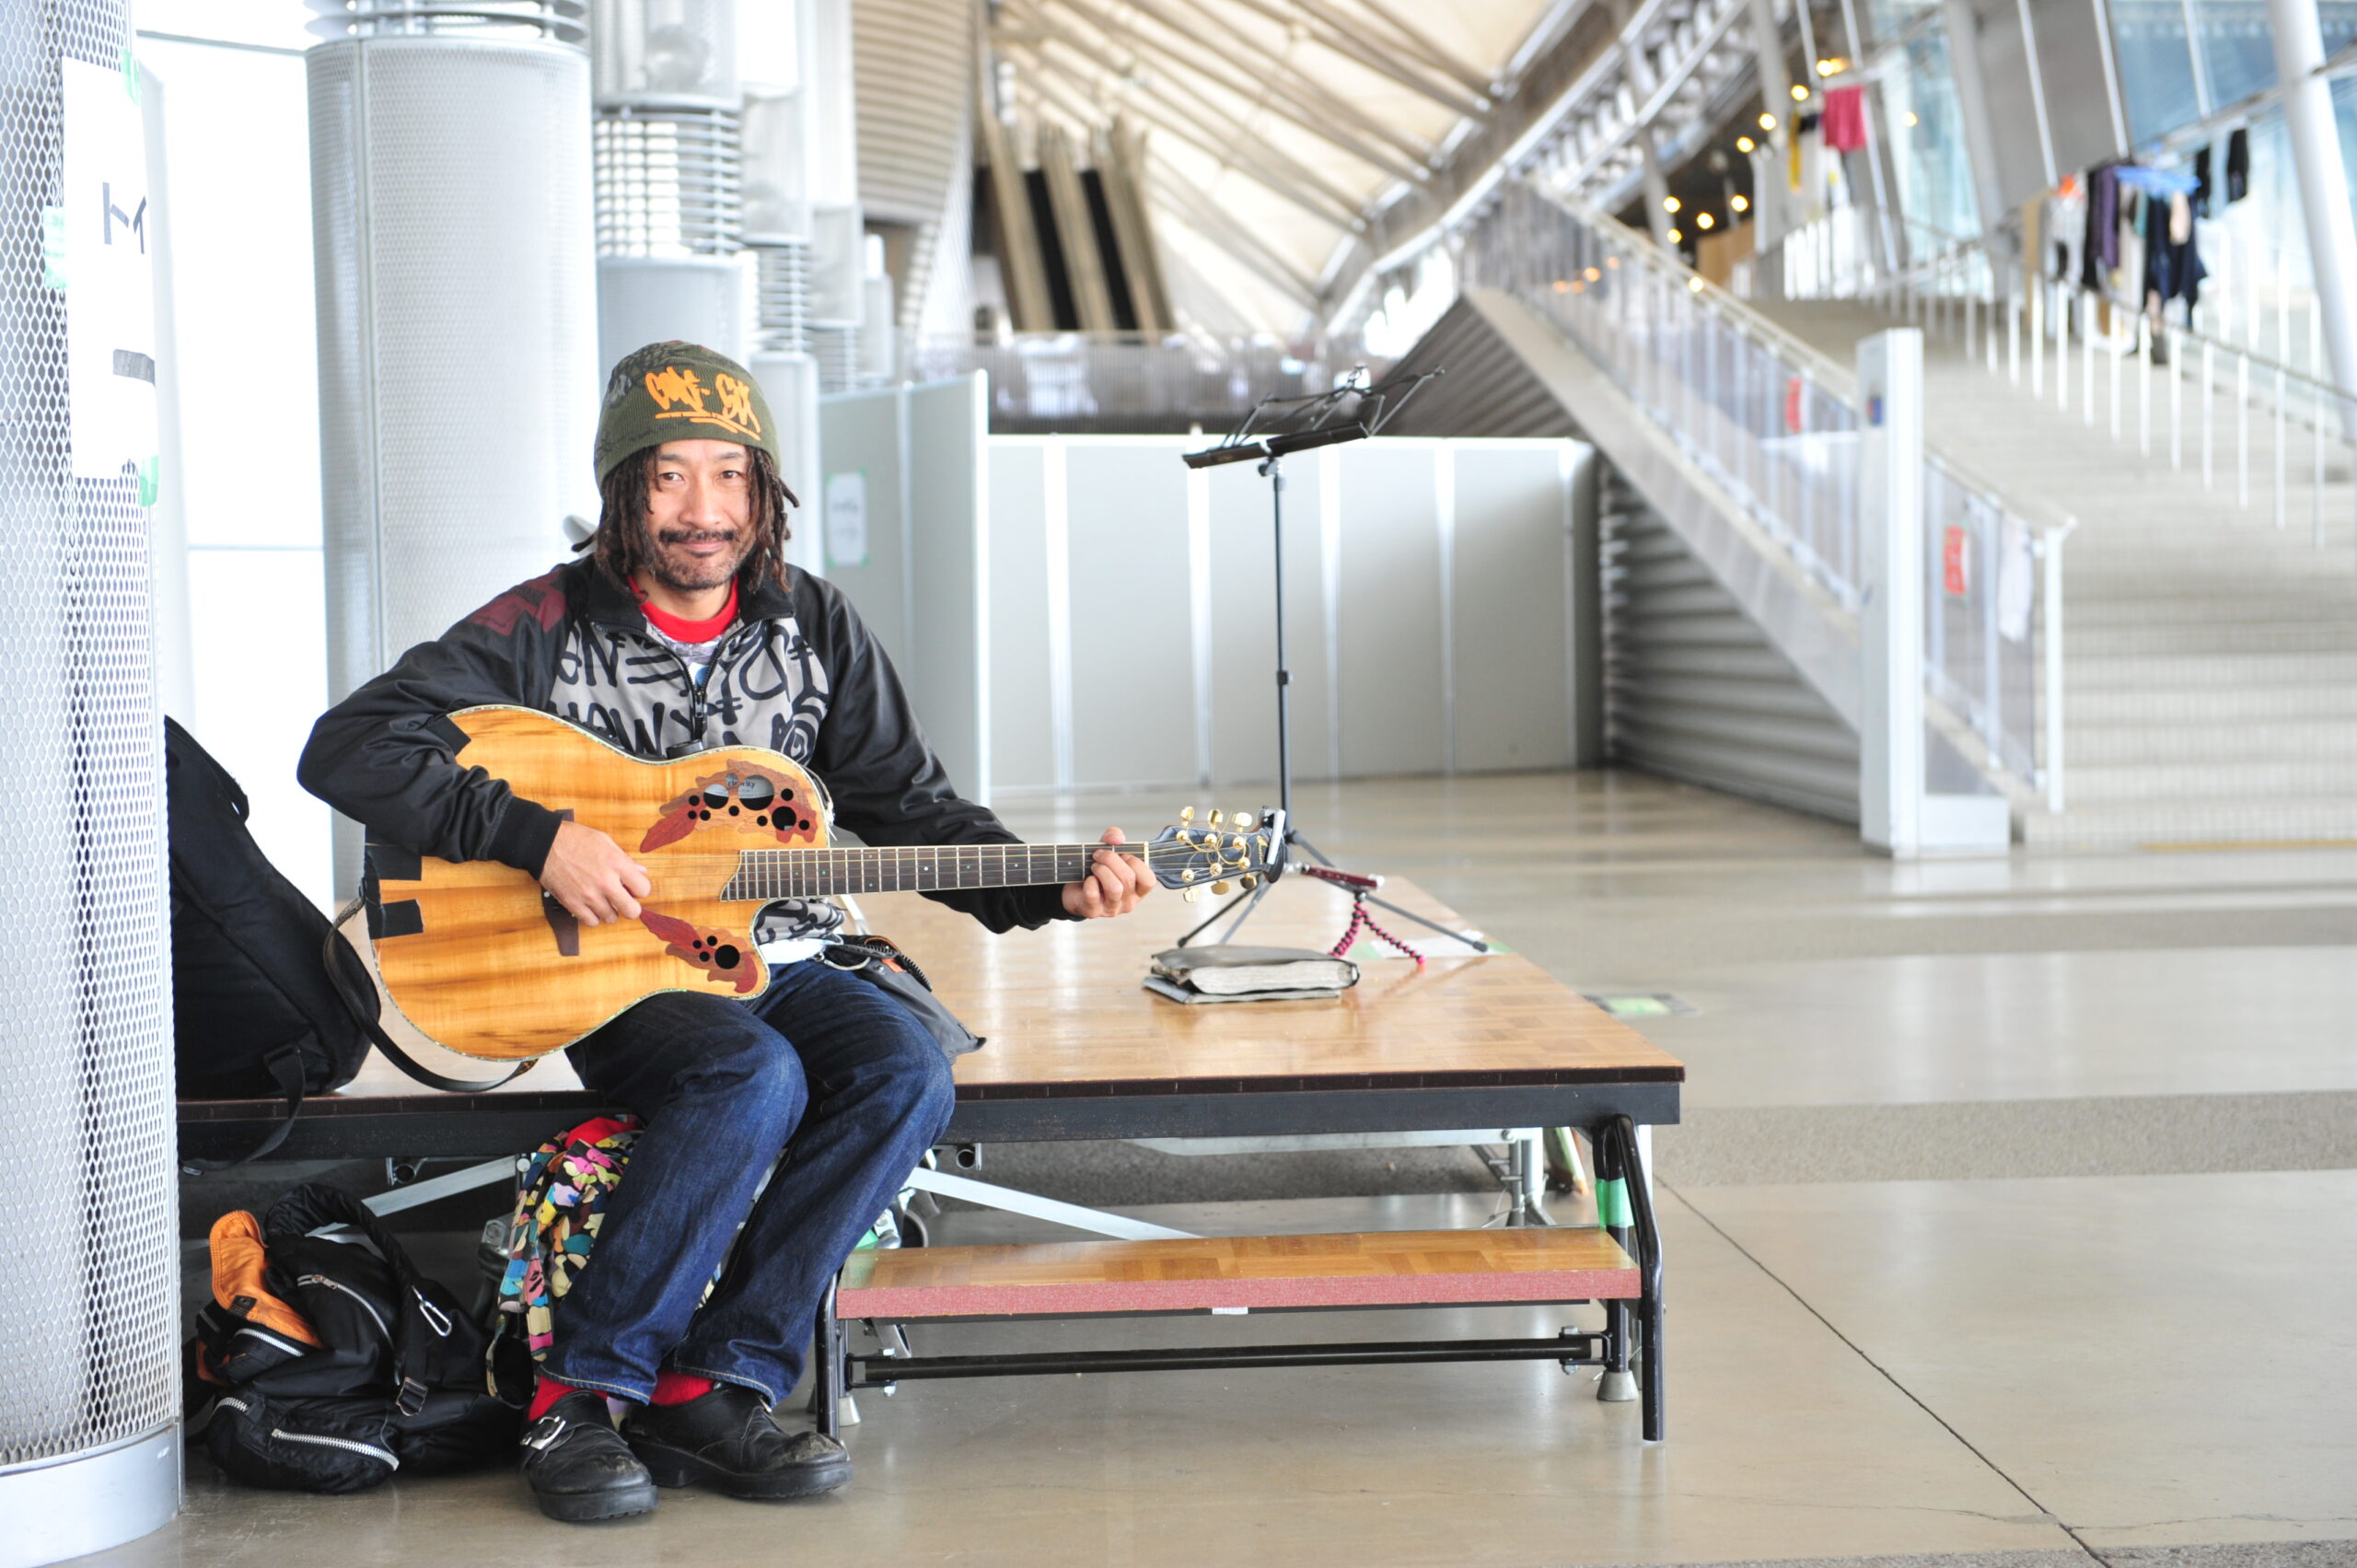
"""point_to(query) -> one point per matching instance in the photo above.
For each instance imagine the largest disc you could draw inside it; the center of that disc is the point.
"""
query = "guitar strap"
(341, 961)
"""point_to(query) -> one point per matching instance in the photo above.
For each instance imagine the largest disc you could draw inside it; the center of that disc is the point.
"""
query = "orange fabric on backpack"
(238, 1263)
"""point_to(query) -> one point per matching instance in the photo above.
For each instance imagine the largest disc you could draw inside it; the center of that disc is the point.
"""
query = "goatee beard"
(694, 576)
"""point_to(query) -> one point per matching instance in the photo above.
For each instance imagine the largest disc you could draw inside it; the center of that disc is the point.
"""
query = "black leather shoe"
(727, 1439)
(578, 1466)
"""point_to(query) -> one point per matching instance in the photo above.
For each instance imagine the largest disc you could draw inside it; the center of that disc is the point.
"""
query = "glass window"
(2237, 48)
(1890, 18)
(1929, 162)
(2156, 66)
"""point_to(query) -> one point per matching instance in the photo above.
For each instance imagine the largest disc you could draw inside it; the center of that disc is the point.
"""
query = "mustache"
(695, 535)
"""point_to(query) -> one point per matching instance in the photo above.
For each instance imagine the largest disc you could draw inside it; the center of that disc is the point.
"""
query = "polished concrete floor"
(2014, 1223)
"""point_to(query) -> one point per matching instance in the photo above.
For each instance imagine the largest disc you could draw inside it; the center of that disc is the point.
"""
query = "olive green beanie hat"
(680, 391)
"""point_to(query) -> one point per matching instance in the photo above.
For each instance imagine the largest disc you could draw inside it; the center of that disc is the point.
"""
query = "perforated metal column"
(88, 1264)
(458, 329)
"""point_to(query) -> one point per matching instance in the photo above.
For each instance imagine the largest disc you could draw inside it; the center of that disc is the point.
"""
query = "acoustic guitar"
(484, 962)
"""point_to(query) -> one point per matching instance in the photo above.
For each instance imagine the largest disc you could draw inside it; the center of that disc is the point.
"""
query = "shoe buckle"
(545, 1432)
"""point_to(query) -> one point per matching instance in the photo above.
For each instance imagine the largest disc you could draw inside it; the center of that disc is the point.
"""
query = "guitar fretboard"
(918, 868)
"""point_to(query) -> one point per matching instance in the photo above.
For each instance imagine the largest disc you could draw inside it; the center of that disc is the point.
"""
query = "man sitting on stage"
(685, 628)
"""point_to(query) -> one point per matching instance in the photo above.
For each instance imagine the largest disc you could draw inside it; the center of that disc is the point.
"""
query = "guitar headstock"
(1218, 852)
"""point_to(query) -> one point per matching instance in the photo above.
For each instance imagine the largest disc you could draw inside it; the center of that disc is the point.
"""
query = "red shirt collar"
(680, 631)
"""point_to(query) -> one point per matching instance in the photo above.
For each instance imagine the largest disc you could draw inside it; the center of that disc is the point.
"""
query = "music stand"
(1273, 430)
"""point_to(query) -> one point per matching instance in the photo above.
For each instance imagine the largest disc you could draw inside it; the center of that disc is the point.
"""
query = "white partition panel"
(1394, 676)
(1510, 667)
(1242, 620)
(1131, 633)
(903, 509)
(1131, 612)
(947, 427)
(859, 514)
(1024, 689)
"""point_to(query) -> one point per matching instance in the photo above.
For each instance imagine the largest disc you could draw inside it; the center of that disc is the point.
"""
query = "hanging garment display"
(2173, 268)
(2100, 253)
(2063, 228)
(2125, 282)
(2239, 165)
(1845, 119)
(2202, 182)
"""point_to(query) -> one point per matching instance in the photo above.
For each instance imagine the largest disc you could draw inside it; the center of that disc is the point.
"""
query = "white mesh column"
(89, 1438)
(458, 380)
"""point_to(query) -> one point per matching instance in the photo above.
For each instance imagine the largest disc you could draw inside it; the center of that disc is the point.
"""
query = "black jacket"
(799, 673)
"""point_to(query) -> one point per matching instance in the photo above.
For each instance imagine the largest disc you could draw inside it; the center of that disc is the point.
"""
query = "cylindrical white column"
(2324, 187)
(457, 323)
(89, 1398)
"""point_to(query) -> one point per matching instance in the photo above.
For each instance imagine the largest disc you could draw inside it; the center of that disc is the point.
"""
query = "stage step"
(1207, 1273)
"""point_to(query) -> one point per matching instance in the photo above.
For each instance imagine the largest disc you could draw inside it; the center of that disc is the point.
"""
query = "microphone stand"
(1310, 421)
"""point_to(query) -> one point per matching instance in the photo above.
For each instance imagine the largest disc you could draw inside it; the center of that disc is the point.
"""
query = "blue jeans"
(824, 1066)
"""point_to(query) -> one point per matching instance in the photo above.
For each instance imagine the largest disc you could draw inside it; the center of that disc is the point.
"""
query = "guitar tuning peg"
(1246, 820)
(1192, 895)
(1219, 887)
(1216, 818)
(1186, 814)
(1248, 882)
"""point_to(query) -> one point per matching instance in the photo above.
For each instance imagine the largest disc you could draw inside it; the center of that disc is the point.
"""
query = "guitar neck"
(767, 874)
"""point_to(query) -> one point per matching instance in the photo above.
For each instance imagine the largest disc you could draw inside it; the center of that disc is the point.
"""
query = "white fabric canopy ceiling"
(1273, 124)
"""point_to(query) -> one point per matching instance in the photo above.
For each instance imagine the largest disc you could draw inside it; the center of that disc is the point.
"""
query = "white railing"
(2241, 393)
(1771, 422)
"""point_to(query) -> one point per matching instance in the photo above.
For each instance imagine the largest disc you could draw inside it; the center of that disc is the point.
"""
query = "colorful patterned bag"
(549, 1237)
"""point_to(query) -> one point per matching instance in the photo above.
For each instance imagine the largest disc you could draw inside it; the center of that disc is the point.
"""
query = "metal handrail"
(2046, 518)
(1709, 377)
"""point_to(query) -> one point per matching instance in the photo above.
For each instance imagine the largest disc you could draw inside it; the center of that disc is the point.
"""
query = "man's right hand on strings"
(590, 875)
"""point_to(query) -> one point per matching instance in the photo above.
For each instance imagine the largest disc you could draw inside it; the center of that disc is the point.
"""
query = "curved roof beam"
(1431, 51)
(1263, 95)
(1322, 26)
(1246, 154)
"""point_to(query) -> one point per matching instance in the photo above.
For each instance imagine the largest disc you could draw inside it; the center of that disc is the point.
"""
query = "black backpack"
(253, 1013)
(268, 998)
(396, 1381)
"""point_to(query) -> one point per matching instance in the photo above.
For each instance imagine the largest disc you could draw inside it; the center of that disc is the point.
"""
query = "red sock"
(679, 1387)
(547, 1391)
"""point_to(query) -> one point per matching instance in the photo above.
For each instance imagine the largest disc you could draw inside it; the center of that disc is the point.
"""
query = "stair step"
(2189, 672)
(2162, 823)
(2094, 744)
(2227, 777)
(2087, 711)
(2216, 637)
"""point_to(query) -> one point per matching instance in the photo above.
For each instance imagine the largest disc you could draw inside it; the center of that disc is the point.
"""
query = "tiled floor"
(1970, 1367)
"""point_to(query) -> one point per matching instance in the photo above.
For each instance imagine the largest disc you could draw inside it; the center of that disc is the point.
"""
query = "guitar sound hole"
(756, 793)
(727, 957)
(716, 798)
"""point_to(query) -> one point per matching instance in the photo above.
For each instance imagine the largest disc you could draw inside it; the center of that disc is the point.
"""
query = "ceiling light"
(1800, 93)
(1563, 285)
(1909, 119)
(1744, 144)
(1766, 122)
(1593, 276)
(1695, 285)
(1740, 203)
(1674, 236)
(1703, 220)
(1669, 203)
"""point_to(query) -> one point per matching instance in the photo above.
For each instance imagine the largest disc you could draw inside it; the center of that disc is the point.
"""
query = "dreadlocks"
(620, 544)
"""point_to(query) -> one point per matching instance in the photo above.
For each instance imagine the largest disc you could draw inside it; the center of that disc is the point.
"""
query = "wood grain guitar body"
(480, 958)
